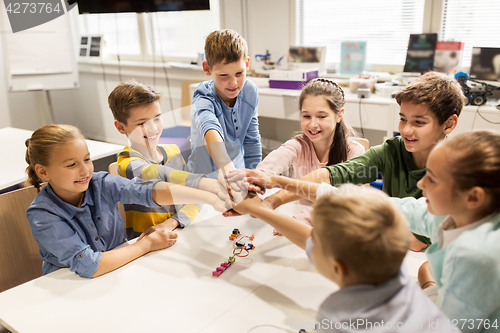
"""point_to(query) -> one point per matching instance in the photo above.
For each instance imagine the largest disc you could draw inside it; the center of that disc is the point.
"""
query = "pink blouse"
(299, 153)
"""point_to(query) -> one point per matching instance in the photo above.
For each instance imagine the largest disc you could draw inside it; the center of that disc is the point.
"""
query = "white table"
(173, 290)
(13, 151)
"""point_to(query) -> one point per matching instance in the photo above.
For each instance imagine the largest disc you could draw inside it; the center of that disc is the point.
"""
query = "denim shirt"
(74, 237)
(238, 126)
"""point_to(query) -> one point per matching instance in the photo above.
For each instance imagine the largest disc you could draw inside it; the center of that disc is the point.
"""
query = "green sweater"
(392, 160)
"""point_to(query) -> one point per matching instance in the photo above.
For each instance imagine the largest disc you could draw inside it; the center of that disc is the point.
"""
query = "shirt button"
(80, 255)
(97, 238)
(235, 120)
(98, 218)
(236, 127)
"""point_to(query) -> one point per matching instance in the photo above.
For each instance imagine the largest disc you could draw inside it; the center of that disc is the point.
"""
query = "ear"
(206, 69)
(42, 172)
(119, 127)
(340, 271)
(450, 124)
(476, 197)
(340, 115)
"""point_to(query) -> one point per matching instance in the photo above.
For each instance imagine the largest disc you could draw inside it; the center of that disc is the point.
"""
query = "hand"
(247, 206)
(160, 239)
(167, 225)
(254, 180)
(219, 204)
(214, 186)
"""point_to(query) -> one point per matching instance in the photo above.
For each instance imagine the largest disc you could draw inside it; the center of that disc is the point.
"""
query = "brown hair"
(128, 95)
(42, 145)
(475, 161)
(334, 96)
(442, 94)
(361, 228)
(225, 46)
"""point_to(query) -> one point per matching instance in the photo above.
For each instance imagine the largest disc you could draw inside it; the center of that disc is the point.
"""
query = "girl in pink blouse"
(325, 138)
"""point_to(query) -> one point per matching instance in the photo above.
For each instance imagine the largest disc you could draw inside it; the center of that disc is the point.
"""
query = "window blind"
(180, 34)
(120, 31)
(384, 24)
(476, 23)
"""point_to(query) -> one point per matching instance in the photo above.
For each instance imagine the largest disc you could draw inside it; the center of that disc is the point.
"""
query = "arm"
(291, 228)
(252, 145)
(171, 194)
(280, 159)
(111, 260)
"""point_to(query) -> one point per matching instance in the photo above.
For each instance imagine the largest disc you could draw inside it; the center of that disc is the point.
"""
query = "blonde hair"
(42, 145)
(334, 96)
(361, 228)
(442, 94)
(130, 94)
(225, 46)
(475, 161)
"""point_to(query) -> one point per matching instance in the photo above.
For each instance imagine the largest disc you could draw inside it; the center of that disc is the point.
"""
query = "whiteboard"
(40, 58)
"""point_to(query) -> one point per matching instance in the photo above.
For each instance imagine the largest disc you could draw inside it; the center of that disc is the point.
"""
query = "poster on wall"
(352, 57)
(420, 54)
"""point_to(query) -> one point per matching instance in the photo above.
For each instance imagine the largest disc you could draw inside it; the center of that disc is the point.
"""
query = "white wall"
(265, 25)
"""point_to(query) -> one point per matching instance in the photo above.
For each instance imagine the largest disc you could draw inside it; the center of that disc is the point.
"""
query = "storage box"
(357, 82)
(291, 79)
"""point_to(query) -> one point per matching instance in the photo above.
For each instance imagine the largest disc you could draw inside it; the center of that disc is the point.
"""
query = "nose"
(84, 169)
(405, 128)
(420, 183)
(150, 127)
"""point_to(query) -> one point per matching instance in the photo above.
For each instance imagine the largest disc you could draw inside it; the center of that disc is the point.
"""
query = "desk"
(173, 290)
(13, 149)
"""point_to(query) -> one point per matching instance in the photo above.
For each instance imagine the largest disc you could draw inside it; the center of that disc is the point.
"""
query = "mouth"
(233, 90)
(151, 137)
(83, 180)
(410, 141)
(313, 133)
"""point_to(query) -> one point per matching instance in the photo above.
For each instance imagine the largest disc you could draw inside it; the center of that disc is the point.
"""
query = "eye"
(306, 116)
(87, 159)
(420, 122)
(140, 124)
(157, 119)
(321, 117)
(402, 120)
(71, 165)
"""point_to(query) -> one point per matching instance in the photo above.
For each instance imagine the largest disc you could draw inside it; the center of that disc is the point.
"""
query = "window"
(171, 35)
(120, 31)
(385, 25)
(180, 34)
(476, 23)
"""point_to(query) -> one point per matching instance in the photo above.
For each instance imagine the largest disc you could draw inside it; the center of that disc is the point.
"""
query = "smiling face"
(143, 128)
(420, 130)
(228, 78)
(69, 171)
(318, 121)
(438, 185)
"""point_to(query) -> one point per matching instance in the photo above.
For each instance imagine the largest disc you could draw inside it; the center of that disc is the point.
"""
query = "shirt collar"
(70, 209)
(447, 231)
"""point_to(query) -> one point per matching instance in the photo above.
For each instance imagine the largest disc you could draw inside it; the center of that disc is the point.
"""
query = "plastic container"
(357, 82)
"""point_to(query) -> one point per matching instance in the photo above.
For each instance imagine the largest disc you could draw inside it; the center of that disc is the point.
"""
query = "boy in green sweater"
(429, 110)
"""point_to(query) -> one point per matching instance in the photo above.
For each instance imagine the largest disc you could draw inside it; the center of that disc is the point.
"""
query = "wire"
(118, 49)
(475, 116)
(489, 121)
(164, 66)
(361, 120)
(272, 326)
(100, 55)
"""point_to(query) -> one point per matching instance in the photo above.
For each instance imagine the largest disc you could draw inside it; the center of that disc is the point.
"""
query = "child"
(460, 212)
(325, 138)
(75, 218)
(429, 111)
(362, 251)
(136, 109)
(224, 123)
